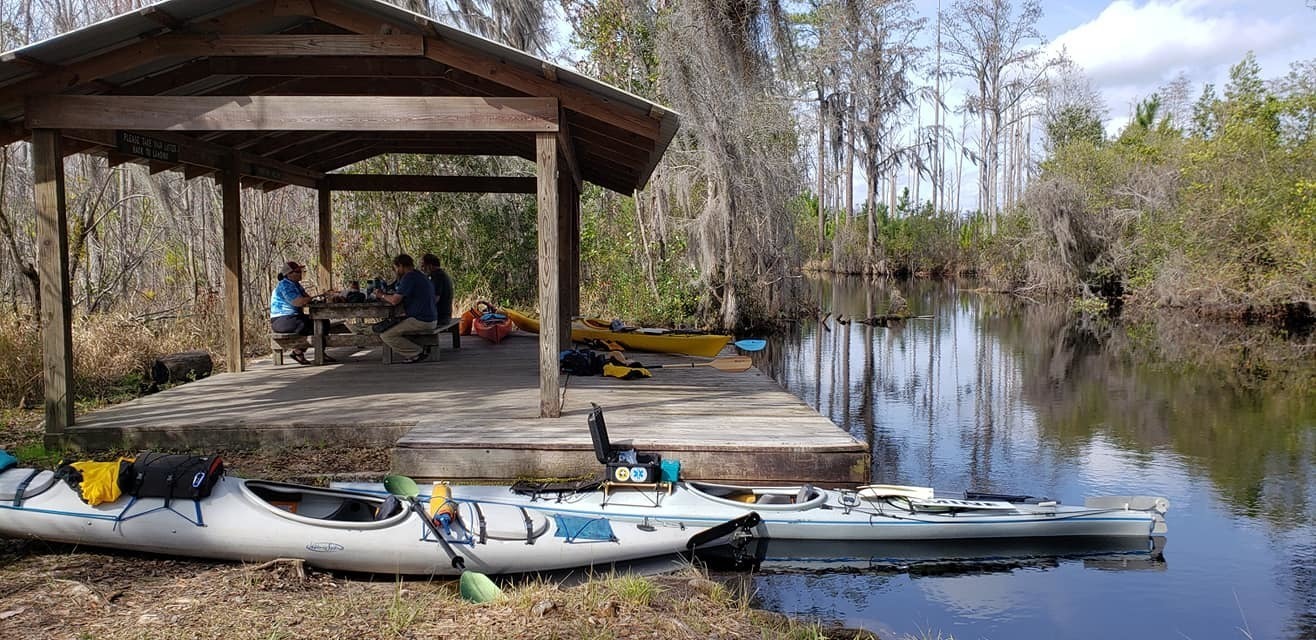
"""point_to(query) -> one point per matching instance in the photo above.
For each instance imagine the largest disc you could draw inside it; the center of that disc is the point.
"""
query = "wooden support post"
(232, 192)
(53, 265)
(325, 275)
(575, 252)
(565, 187)
(550, 326)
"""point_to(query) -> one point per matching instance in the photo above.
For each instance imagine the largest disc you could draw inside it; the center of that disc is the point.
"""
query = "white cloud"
(1134, 45)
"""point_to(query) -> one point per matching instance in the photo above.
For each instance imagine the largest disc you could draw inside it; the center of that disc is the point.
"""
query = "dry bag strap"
(22, 487)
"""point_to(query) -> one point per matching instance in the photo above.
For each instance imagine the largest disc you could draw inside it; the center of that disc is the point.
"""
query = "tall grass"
(112, 354)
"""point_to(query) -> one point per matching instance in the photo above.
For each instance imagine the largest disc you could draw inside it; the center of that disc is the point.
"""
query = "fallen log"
(183, 366)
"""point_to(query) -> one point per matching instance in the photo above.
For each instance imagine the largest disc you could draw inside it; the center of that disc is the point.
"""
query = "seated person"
(416, 295)
(286, 303)
(429, 263)
(352, 293)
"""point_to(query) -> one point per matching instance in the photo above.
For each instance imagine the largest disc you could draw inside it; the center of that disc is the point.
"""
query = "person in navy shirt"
(286, 303)
(416, 295)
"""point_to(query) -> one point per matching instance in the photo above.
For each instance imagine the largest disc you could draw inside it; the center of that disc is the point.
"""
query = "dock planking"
(472, 416)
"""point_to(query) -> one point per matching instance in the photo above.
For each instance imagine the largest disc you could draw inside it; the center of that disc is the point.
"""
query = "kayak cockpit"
(324, 507)
(797, 498)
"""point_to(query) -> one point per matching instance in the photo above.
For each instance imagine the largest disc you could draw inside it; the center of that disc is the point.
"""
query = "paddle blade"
(478, 588)
(732, 364)
(751, 344)
(401, 486)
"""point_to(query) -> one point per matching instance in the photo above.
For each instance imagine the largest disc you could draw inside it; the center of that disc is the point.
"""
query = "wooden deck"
(472, 416)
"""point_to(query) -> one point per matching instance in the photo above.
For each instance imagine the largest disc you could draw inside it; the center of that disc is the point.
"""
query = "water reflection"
(994, 395)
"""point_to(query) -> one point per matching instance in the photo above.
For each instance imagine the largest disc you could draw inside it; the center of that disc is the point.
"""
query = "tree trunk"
(822, 170)
(184, 366)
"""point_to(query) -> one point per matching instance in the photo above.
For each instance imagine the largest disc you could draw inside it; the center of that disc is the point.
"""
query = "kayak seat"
(308, 502)
(389, 508)
(774, 498)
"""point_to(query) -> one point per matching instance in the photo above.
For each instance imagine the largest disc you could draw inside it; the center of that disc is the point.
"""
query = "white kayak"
(879, 512)
(256, 520)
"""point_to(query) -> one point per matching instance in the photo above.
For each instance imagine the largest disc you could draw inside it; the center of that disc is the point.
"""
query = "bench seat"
(431, 339)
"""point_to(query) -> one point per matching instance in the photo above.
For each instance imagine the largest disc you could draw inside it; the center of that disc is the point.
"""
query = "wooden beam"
(293, 113)
(203, 154)
(175, 80)
(318, 149)
(345, 156)
(195, 46)
(40, 66)
(326, 227)
(568, 150)
(326, 67)
(550, 323)
(231, 186)
(161, 17)
(430, 184)
(56, 313)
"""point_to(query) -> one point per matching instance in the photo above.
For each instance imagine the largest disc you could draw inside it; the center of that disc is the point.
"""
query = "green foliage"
(621, 276)
(1075, 123)
(1223, 216)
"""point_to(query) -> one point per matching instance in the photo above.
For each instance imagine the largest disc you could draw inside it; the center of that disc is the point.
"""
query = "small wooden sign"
(147, 147)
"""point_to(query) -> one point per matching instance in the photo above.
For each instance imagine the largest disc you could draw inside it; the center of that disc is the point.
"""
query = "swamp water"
(994, 395)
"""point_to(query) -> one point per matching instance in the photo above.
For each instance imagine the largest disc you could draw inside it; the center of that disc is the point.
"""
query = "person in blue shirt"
(286, 303)
(416, 295)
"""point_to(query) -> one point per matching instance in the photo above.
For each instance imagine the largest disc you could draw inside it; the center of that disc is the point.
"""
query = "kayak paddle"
(729, 364)
(751, 344)
(406, 489)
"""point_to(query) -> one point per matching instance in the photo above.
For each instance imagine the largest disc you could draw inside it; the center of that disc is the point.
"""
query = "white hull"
(834, 515)
(335, 530)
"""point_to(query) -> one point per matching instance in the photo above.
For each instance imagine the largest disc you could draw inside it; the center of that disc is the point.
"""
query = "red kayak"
(490, 324)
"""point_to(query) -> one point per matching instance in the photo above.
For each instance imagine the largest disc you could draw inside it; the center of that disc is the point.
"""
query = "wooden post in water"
(231, 187)
(53, 265)
(550, 322)
(325, 275)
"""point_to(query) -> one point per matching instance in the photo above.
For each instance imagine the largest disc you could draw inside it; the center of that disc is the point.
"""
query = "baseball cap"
(289, 267)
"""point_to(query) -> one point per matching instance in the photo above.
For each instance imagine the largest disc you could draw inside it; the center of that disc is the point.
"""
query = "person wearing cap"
(286, 303)
(416, 295)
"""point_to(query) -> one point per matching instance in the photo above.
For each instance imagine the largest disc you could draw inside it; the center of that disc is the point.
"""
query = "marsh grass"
(111, 355)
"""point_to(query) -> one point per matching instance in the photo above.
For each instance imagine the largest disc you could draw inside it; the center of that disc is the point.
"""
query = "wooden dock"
(472, 416)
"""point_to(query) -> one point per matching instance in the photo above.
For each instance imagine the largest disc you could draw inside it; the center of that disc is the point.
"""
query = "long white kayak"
(805, 512)
(256, 520)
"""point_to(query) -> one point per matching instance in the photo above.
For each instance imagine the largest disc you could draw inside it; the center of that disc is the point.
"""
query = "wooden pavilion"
(271, 93)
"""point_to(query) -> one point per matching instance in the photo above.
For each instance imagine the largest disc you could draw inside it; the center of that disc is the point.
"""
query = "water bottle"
(442, 508)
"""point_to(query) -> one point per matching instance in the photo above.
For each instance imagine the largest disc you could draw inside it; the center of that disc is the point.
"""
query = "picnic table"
(358, 317)
(359, 334)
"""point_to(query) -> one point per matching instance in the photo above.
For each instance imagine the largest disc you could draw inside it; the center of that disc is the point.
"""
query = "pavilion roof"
(328, 48)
